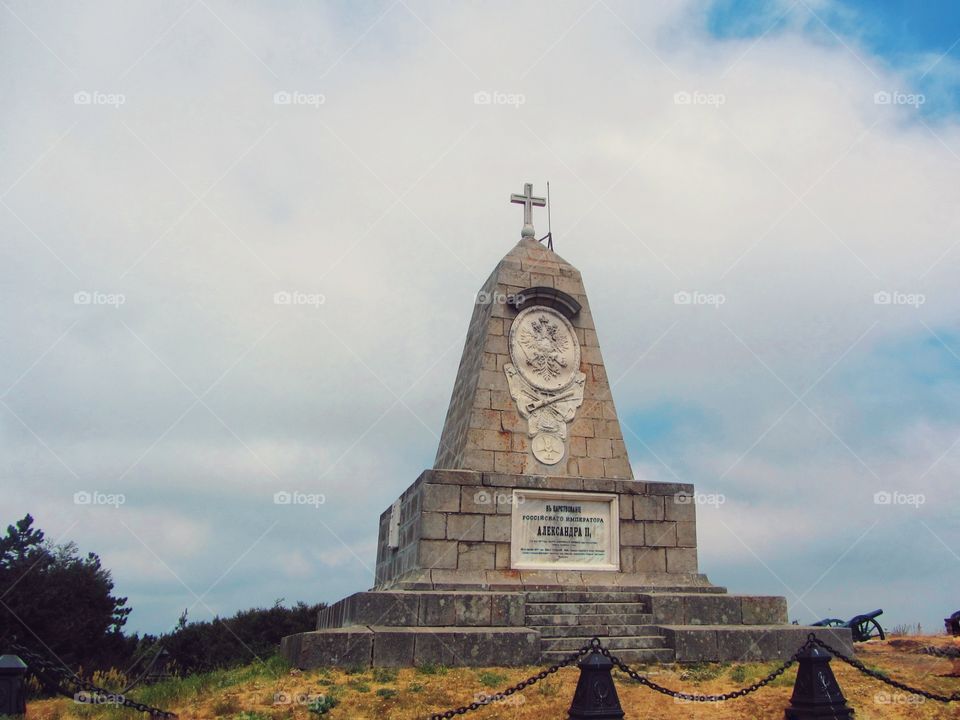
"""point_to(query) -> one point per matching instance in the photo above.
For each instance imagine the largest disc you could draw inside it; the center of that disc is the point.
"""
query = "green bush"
(322, 705)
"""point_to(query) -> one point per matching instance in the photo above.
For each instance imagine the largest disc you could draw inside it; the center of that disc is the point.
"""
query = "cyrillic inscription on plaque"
(564, 531)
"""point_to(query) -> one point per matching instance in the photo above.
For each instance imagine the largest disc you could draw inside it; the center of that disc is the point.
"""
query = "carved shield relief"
(545, 379)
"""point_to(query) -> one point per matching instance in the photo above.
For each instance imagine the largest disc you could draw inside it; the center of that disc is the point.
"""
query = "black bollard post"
(13, 692)
(816, 693)
(596, 696)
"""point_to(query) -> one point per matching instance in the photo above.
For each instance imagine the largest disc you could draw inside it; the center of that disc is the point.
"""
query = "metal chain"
(62, 675)
(643, 680)
(522, 685)
(876, 675)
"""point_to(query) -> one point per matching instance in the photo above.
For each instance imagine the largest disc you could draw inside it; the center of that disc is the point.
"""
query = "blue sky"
(920, 39)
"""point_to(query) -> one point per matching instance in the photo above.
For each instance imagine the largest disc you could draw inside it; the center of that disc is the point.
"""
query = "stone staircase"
(567, 620)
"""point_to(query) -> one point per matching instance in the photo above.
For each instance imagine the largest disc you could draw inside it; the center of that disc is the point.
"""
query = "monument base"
(399, 628)
(446, 592)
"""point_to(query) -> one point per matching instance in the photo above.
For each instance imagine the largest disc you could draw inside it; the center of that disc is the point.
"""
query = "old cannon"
(953, 624)
(862, 627)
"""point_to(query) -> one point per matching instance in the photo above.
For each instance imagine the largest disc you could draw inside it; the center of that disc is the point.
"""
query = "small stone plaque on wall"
(564, 531)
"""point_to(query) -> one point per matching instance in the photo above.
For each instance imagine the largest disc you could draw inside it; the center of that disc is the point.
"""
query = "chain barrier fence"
(805, 653)
(57, 677)
(877, 675)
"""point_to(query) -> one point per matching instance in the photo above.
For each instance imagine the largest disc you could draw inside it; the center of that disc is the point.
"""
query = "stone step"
(589, 631)
(589, 619)
(578, 608)
(651, 655)
(582, 596)
(640, 642)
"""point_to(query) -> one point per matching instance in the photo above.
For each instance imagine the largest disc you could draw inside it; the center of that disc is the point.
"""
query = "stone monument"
(530, 535)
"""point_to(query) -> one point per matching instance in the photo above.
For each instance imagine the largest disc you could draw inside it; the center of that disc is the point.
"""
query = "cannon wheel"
(867, 630)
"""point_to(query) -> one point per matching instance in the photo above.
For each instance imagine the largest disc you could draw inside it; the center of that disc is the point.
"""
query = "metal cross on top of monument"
(529, 202)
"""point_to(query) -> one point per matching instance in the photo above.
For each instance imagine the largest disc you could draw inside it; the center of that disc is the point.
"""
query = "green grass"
(384, 675)
(491, 679)
(430, 668)
(386, 693)
(178, 690)
(701, 672)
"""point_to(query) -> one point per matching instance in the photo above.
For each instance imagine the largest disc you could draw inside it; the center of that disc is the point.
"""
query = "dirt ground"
(413, 693)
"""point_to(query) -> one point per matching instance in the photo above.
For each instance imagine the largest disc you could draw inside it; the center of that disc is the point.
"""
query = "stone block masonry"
(484, 431)
(455, 525)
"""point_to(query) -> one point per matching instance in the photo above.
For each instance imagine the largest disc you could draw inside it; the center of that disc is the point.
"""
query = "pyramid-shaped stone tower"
(532, 394)
(529, 535)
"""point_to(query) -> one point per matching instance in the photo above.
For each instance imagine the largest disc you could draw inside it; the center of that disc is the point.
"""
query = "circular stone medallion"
(544, 348)
(548, 448)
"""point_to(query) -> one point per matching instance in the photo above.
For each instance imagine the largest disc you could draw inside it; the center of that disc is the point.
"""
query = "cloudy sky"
(761, 197)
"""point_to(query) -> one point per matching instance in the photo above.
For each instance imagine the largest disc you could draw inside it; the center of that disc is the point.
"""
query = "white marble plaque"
(564, 531)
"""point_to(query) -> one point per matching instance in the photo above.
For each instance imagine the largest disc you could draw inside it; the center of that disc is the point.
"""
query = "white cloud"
(390, 200)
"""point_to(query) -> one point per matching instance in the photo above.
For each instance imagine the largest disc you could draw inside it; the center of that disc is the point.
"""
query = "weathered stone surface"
(433, 526)
(380, 608)
(342, 647)
(681, 560)
(693, 644)
(437, 609)
(441, 498)
(660, 534)
(711, 609)
(472, 610)
(496, 528)
(666, 609)
(393, 647)
(478, 647)
(438, 554)
(745, 644)
(631, 533)
(647, 507)
(476, 556)
(477, 500)
(464, 527)
(507, 609)
(763, 610)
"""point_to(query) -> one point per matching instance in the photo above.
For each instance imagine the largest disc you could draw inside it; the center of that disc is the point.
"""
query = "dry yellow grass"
(415, 694)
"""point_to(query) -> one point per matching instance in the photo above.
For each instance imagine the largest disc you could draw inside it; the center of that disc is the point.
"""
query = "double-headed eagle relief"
(545, 379)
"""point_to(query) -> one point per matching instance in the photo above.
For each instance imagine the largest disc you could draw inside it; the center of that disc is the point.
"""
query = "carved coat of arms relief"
(545, 379)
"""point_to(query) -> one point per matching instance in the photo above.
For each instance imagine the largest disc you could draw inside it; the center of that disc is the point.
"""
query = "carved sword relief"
(545, 379)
